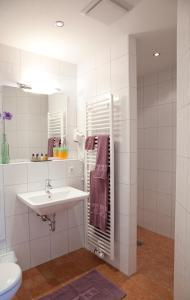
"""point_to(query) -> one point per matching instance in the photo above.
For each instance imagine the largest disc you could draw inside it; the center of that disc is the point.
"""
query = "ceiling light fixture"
(156, 54)
(59, 23)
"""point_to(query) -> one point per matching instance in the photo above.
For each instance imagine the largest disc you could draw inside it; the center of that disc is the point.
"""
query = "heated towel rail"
(57, 125)
(99, 121)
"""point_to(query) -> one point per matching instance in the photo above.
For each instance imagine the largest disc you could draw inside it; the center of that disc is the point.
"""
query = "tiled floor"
(153, 281)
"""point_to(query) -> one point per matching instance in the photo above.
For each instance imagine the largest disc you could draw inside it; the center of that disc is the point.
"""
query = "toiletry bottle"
(56, 152)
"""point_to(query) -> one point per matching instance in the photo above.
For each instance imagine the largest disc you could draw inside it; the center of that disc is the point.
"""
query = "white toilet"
(10, 276)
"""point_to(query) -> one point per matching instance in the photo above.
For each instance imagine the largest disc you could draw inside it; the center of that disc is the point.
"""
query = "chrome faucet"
(48, 186)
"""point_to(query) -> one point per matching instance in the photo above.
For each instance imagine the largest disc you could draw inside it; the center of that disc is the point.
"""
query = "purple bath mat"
(92, 286)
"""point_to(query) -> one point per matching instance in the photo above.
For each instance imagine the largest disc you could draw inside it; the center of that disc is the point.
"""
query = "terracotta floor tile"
(153, 280)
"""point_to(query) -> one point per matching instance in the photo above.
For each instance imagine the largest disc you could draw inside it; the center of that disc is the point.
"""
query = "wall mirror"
(35, 119)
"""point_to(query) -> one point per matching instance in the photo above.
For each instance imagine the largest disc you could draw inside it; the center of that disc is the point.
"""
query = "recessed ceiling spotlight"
(156, 54)
(59, 23)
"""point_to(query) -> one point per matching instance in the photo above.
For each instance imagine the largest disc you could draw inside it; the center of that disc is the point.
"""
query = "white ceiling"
(162, 41)
(29, 25)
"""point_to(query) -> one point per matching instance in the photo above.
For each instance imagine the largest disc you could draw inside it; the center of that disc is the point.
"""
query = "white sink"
(60, 198)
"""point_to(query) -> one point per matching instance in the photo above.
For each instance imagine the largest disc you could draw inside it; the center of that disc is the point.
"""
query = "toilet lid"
(10, 275)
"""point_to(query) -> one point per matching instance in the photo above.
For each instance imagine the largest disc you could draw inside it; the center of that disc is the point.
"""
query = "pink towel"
(53, 142)
(101, 169)
(90, 143)
(98, 201)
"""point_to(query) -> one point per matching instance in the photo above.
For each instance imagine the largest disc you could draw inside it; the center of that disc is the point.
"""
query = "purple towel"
(53, 142)
(98, 201)
(101, 169)
(90, 143)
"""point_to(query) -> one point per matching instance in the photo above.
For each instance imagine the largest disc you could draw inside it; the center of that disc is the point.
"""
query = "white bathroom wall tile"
(133, 258)
(91, 84)
(164, 204)
(76, 182)
(174, 114)
(15, 174)
(150, 79)
(40, 251)
(150, 117)
(37, 172)
(119, 48)
(57, 170)
(74, 168)
(164, 182)
(165, 138)
(9, 104)
(150, 96)
(165, 113)
(119, 73)
(122, 168)
(165, 92)
(140, 178)
(37, 228)
(14, 206)
(36, 186)
(150, 180)
(140, 139)
(76, 215)
(133, 168)
(121, 228)
(1, 175)
(140, 118)
(122, 198)
(2, 216)
(59, 244)
(121, 105)
(2, 246)
(124, 256)
(103, 79)
(22, 252)
(76, 238)
(102, 57)
(140, 197)
(164, 225)
(151, 136)
(165, 75)
(58, 183)
(150, 201)
(140, 217)
(150, 159)
(149, 220)
(22, 138)
(133, 71)
(17, 229)
(122, 136)
(140, 158)
(165, 161)
(61, 220)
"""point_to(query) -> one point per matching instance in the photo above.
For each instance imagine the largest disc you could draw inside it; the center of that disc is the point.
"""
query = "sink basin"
(60, 198)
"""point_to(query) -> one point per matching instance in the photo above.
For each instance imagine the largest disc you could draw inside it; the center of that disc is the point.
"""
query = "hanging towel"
(98, 201)
(101, 169)
(53, 142)
(90, 143)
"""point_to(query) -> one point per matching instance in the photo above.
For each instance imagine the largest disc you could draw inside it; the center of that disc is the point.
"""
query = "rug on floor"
(92, 286)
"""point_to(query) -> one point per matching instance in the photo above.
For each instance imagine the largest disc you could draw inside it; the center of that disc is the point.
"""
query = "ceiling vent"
(106, 11)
